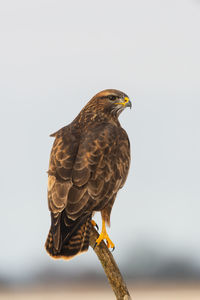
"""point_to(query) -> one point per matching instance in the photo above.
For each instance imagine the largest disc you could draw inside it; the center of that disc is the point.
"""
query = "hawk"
(89, 163)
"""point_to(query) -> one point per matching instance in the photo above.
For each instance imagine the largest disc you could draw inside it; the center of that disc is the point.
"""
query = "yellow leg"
(104, 236)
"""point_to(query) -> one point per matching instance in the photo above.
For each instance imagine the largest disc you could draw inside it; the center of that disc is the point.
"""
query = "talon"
(98, 241)
(104, 236)
(113, 249)
(95, 245)
(95, 224)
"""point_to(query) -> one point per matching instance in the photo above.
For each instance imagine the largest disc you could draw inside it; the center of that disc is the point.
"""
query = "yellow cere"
(126, 99)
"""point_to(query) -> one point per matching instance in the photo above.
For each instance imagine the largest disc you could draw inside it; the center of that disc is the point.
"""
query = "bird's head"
(111, 101)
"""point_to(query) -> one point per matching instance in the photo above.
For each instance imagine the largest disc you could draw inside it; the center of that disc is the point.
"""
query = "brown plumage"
(89, 163)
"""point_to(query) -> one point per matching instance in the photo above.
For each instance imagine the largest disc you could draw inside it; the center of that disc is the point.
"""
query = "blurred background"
(54, 56)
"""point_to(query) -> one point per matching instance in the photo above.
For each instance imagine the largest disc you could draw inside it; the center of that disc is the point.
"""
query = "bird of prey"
(89, 163)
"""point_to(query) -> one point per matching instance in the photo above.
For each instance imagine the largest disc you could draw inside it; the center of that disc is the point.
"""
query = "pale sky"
(54, 56)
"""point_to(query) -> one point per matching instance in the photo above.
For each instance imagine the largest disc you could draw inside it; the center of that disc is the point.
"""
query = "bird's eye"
(112, 97)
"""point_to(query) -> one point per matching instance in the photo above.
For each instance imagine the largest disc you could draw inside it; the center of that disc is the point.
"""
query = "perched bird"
(89, 163)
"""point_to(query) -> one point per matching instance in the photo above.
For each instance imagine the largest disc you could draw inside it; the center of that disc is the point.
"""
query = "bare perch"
(110, 267)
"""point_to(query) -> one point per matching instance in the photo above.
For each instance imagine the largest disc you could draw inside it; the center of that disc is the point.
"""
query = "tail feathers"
(74, 241)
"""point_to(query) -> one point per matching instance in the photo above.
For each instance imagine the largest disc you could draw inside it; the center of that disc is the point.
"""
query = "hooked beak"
(127, 102)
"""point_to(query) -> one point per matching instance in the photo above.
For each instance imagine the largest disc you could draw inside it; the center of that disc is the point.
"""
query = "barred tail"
(73, 238)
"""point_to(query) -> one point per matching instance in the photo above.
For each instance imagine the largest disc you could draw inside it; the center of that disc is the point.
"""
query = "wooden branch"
(110, 267)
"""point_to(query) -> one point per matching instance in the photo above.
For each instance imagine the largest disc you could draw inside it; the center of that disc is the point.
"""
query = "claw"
(104, 236)
(95, 224)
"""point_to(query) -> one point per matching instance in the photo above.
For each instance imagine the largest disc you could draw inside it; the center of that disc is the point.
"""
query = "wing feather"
(85, 173)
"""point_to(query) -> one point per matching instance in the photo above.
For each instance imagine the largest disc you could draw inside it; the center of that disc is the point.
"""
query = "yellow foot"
(95, 224)
(104, 236)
